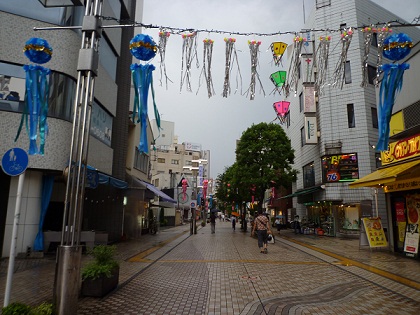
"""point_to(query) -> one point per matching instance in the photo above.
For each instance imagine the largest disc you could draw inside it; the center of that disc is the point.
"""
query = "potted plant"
(100, 276)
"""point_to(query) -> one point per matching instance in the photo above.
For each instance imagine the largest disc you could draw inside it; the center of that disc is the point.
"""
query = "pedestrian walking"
(213, 222)
(262, 226)
(277, 223)
(233, 222)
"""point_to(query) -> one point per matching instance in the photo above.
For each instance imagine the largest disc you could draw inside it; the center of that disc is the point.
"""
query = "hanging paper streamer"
(293, 78)
(163, 39)
(278, 49)
(205, 185)
(321, 57)
(395, 47)
(207, 56)
(278, 78)
(231, 58)
(281, 108)
(339, 72)
(382, 34)
(189, 52)
(367, 39)
(254, 49)
(37, 92)
(143, 48)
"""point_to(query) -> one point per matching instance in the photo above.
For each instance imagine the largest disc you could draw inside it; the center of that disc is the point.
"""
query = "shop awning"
(156, 191)
(385, 175)
(306, 191)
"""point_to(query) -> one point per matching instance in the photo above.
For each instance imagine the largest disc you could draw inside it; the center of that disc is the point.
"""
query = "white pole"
(13, 242)
(376, 202)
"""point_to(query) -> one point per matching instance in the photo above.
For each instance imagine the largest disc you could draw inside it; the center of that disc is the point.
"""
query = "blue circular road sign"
(15, 161)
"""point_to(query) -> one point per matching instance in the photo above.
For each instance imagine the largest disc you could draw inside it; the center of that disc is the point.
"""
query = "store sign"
(402, 150)
(400, 185)
(340, 168)
(412, 236)
(375, 232)
(309, 100)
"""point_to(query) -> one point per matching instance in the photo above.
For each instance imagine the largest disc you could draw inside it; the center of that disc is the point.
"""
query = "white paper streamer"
(231, 57)
(163, 39)
(189, 52)
(321, 57)
(339, 72)
(206, 71)
(254, 50)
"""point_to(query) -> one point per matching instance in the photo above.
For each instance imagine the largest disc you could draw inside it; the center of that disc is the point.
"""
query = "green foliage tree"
(263, 158)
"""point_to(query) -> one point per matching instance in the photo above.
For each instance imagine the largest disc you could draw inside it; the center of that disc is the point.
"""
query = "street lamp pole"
(66, 282)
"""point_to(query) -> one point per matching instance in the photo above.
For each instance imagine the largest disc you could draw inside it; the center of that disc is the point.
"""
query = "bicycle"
(153, 227)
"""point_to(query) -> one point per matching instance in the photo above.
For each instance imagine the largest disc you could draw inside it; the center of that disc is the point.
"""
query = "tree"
(263, 155)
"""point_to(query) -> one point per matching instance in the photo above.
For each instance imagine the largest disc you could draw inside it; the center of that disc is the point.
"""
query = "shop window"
(348, 219)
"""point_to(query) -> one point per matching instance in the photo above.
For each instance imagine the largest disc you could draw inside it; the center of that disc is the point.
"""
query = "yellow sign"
(400, 185)
(375, 232)
(404, 149)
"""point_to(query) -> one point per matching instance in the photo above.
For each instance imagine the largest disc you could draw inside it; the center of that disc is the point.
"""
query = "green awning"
(306, 191)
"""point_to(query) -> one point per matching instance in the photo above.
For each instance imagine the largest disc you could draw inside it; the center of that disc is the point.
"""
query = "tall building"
(333, 131)
(109, 129)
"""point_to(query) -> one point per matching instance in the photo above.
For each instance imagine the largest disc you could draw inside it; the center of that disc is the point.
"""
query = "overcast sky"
(217, 122)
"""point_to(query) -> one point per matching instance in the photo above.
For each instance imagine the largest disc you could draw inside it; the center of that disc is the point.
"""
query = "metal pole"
(14, 239)
(66, 284)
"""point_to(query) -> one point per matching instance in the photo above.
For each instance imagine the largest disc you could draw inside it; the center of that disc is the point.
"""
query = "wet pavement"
(174, 272)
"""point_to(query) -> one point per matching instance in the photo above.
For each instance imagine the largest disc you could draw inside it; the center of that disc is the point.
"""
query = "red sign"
(399, 211)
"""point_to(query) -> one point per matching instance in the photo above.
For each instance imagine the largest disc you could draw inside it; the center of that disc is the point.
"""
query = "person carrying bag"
(262, 227)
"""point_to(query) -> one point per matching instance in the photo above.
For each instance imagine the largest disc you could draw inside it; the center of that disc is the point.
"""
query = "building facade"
(108, 141)
(333, 130)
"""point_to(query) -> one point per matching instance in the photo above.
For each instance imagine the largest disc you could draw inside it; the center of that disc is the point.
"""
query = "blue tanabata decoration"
(142, 80)
(37, 92)
(395, 47)
(143, 48)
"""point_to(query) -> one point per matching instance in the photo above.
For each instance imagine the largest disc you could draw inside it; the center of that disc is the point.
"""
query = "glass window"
(141, 161)
(347, 72)
(107, 58)
(302, 136)
(161, 160)
(374, 41)
(350, 116)
(374, 114)
(175, 162)
(371, 74)
(309, 175)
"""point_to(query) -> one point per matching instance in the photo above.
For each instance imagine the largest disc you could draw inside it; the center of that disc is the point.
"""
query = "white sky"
(217, 123)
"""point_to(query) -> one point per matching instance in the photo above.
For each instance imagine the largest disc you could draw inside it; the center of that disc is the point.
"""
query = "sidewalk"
(224, 273)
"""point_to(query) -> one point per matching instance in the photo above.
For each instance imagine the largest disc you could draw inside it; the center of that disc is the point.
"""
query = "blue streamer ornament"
(143, 47)
(142, 80)
(37, 92)
(395, 47)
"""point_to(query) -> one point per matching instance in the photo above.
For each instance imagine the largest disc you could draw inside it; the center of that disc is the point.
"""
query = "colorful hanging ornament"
(367, 39)
(382, 34)
(231, 58)
(143, 48)
(205, 186)
(293, 78)
(281, 108)
(254, 50)
(184, 188)
(37, 92)
(339, 72)
(278, 49)
(321, 57)
(189, 52)
(278, 78)
(395, 47)
(163, 40)
(207, 57)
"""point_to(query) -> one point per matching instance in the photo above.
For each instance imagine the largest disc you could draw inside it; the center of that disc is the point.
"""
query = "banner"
(375, 232)
(412, 236)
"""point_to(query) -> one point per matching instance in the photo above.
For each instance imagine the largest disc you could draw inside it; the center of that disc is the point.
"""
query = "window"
(299, 70)
(371, 74)
(350, 116)
(288, 119)
(378, 160)
(347, 72)
(301, 102)
(302, 136)
(175, 162)
(374, 41)
(309, 175)
(141, 161)
(322, 3)
(374, 113)
(108, 58)
(161, 160)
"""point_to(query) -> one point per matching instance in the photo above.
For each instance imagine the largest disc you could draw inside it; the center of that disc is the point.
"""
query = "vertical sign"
(411, 242)
(311, 130)
(375, 232)
(309, 100)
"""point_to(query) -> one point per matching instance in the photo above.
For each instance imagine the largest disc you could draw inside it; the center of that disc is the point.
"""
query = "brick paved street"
(224, 273)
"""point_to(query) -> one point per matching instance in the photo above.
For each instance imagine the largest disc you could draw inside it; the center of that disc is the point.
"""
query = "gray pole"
(67, 275)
